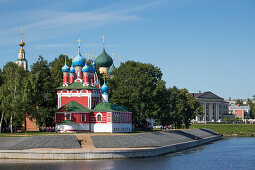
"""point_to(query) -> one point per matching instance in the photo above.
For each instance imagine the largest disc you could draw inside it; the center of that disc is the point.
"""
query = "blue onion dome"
(104, 88)
(94, 64)
(72, 70)
(65, 68)
(92, 69)
(111, 70)
(104, 60)
(86, 68)
(79, 61)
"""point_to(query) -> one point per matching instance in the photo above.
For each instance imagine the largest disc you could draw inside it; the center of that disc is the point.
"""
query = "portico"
(214, 106)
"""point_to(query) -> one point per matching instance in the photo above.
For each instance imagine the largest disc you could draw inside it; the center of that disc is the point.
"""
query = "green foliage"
(134, 85)
(44, 94)
(55, 69)
(225, 119)
(228, 129)
(139, 87)
(236, 119)
(13, 81)
(239, 102)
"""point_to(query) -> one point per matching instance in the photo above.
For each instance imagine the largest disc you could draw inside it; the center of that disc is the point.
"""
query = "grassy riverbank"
(228, 129)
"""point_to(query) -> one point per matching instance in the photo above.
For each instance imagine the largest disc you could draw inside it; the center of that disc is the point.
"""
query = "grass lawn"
(228, 129)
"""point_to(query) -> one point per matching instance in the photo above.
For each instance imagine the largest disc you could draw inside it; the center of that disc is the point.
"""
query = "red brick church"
(83, 103)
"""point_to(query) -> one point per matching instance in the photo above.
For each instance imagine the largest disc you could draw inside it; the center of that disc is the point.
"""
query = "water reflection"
(230, 153)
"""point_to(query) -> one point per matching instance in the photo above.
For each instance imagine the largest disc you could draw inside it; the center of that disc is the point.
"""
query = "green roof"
(112, 69)
(104, 60)
(77, 85)
(66, 122)
(21, 59)
(73, 107)
(109, 107)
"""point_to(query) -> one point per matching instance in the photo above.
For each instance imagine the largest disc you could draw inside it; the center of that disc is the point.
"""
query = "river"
(228, 153)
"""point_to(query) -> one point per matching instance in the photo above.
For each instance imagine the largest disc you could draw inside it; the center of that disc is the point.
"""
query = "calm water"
(229, 153)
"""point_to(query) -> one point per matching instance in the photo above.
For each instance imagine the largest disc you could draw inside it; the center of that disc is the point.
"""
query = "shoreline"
(104, 153)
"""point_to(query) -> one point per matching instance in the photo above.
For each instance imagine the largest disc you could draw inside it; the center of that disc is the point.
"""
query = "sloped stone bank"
(125, 146)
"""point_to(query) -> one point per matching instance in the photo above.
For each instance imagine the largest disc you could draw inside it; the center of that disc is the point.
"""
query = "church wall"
(121, 127)
(106, 117)
(75, 117)
(73, 128)
(82, 100)
(101, 127)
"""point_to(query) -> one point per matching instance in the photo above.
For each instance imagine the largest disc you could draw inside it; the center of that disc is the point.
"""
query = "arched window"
(99, 117)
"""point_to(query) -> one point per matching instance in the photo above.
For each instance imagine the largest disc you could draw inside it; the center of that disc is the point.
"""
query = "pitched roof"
(66, 122)
(109, 107)
(197, 95)
(77, 85)
(73, 107)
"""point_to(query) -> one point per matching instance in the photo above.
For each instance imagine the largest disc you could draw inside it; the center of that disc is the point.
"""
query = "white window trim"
(100, 115)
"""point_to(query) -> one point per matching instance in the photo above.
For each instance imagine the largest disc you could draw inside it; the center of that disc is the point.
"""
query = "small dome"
(92, 69)
(86, 68)
(112, 69)
(94, 64)
(104, 60)
(72, 70)
(104, 88)
(65, 68)
(79, 61)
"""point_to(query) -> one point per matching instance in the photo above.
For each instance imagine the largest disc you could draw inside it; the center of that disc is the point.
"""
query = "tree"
(188, 107)
(11, 94)
(134, 85)
(43, 93)
(239, 102)
(55, 69)
(225, 119)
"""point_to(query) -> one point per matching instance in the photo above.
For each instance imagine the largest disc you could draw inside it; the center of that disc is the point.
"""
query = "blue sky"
(201, 45)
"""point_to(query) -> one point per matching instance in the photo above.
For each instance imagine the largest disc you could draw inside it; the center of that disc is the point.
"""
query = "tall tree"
(134, 85)
(43, 93)
(11, 93)
(188, 107)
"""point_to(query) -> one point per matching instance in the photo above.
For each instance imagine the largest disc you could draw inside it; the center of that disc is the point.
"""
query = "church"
(83, 104)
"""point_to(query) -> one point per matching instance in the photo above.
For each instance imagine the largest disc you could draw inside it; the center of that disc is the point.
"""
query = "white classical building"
(215, 108)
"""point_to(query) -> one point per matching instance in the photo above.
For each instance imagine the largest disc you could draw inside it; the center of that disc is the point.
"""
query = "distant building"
(233, 101)
(239, 111)
(215, 108)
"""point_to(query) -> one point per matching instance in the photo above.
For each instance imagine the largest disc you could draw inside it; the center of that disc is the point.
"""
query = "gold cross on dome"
(79, 40)
(103, 41)
(21, 30)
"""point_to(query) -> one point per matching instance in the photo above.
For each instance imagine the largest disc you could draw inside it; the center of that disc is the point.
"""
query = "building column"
(217, 111)
(204, 105)
(210, 111)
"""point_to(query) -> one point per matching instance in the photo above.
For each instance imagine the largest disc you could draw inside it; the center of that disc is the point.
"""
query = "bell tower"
(21, 61)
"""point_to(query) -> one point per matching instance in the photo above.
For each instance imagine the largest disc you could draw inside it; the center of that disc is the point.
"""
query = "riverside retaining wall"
(106, 154)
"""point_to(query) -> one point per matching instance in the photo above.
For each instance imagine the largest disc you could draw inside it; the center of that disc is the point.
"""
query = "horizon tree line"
(138, 86)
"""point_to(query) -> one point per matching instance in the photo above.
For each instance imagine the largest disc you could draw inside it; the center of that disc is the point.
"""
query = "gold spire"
(79, 40)
(65, 58)
(103, 41)
(21, 42)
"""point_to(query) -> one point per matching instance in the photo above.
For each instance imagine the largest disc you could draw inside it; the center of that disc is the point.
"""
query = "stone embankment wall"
(125, 146)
